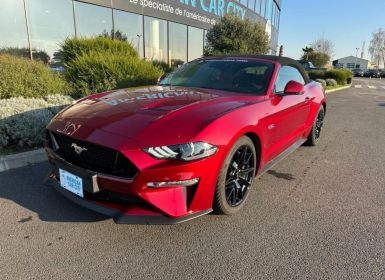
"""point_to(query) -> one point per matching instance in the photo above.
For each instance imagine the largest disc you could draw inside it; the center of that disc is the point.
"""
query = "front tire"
(315, 133)
(235, 177)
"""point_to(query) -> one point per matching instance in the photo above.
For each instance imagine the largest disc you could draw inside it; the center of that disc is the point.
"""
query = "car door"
(287, 114)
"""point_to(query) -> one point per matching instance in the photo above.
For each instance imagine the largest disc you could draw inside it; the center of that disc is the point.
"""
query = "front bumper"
(131, 201)
(129, 214)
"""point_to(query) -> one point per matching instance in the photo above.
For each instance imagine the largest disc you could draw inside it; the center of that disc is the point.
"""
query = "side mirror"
(294, 88)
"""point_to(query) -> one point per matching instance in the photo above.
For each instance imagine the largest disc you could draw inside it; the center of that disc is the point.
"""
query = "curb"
(22, 159)
(338, 89)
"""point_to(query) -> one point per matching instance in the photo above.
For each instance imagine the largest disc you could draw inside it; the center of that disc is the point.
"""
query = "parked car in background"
(309, 66)
(382, 73)
(372, 73)
(358, 72)
(191, 145)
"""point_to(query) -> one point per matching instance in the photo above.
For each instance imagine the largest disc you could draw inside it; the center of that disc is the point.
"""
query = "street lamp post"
(139, 36)
(355, 64)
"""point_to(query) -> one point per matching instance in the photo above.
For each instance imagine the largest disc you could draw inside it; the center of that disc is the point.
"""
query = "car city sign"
(203, 13)
(216, 7)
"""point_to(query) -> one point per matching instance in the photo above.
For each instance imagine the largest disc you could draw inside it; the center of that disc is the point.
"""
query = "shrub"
(349, 80)
(340, 75)
(318, 74)
(74, 47)
(23, 120)
(322, 82)
(331, 82)
(99, 71)
(24, 52)
(101, 64)
(26, 78)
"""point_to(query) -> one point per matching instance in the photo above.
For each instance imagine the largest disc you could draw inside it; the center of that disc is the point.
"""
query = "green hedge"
(23, 77)
(23, 120)
(322, 82)
(100, 64)
(342, 76)
(74, 47)
(98, 72)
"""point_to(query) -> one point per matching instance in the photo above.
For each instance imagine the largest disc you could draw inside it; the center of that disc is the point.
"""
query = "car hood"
(150, 115)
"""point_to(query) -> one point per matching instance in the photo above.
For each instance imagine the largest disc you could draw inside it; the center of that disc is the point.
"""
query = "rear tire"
(315, 133)
(235, 177)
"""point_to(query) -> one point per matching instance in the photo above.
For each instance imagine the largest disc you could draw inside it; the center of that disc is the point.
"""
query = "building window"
(243, 2)
(350, 65)
(155, 39)
(177, 44)
(13, 31)
(268, 11)
(92, 20)
(195, 43)
(251, 5)
(130, 27)
(257, 8)
(50, 22)
(263, 7)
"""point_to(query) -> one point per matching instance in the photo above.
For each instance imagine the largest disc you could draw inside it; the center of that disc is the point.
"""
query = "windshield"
(244, 76)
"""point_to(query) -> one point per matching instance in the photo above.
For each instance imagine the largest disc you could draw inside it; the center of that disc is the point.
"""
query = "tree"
(117, 35)
(232, 35)
(377, 47)
(324, 45)
(281, 50)
(319, 59)
(24, 52)
(306, 52)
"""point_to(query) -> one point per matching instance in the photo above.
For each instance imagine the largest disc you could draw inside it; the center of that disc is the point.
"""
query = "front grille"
(94, 157)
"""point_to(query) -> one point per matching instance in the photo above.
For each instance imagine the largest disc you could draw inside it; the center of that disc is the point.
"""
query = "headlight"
(189, 151)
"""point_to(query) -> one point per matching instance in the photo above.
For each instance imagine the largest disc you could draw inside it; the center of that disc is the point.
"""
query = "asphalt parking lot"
(319, 214)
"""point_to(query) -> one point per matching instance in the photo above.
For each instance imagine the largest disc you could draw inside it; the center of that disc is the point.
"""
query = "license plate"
(71, 182)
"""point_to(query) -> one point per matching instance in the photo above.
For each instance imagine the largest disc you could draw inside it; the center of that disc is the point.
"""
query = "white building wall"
(350, 62)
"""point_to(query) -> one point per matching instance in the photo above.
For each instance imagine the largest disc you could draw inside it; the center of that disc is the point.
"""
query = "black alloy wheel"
(316, 130)
(240, 176)
(319, 123)
(236, 177)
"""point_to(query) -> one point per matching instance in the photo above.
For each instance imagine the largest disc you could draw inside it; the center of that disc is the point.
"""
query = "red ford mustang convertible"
(189, 146)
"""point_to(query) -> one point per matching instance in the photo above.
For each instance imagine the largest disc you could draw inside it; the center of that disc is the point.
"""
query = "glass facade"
(92, 20)
(195, 43)
(251, 5)
(257, 8)
(12, 15)
(155, 38)
(177, 46)
(50, 22)
(130, 26)
(39, 26)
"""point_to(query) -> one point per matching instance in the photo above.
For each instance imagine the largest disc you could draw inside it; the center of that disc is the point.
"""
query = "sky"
(347, 23)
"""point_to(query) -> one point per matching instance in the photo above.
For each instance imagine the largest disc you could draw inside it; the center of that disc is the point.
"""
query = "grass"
(336, 87)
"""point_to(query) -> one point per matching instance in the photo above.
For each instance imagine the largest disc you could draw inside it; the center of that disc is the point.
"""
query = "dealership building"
(165, 30)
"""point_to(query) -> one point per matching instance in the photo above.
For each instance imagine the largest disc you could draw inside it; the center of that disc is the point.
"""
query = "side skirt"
(281, 156)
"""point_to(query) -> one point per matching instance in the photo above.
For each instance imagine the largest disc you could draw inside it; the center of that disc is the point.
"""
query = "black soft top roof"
(280, 59)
